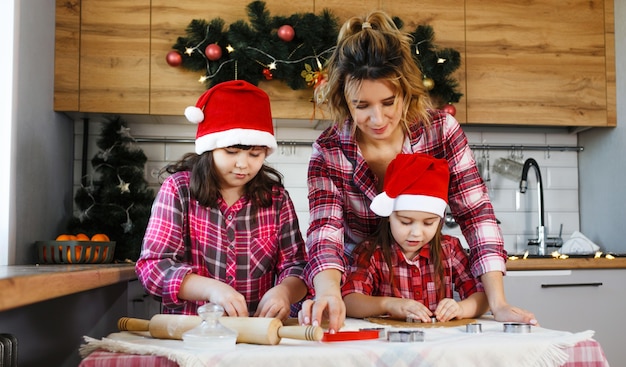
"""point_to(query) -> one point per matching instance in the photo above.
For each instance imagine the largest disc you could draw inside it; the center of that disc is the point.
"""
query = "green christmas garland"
(294, 50)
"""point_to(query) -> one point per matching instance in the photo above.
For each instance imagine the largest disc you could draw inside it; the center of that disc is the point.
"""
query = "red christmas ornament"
(267, 73)
(173, 58)
(213, 52)
(450, 109)
(286, 33)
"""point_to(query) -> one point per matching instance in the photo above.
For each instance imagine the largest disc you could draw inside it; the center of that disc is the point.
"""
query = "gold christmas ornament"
(428, 83)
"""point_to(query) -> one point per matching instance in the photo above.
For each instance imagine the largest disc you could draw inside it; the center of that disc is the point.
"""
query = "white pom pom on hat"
(194, 114)
(414, 182)
(232, 113)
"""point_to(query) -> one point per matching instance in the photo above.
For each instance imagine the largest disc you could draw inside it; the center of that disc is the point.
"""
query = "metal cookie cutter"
(516, 327)
(405, 336)
(474, 328)
(433, 319)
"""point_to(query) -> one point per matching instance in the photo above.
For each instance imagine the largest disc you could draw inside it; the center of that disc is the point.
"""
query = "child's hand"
(233, 302)
(402, 308)
(274, 303)
(448, 309)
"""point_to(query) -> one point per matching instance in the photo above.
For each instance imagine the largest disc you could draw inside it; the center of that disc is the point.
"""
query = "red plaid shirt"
(414, 278)
(341, 188)
(250, 252)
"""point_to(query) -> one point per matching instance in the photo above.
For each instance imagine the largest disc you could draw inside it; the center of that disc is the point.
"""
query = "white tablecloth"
(450, 346)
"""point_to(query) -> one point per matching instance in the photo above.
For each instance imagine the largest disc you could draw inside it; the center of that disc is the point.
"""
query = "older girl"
(223, 229)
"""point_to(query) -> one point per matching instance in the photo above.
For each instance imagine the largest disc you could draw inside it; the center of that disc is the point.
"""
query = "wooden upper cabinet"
(548, 62)
(66, 55)
(115, 56)
(102, 56)
(447, 18)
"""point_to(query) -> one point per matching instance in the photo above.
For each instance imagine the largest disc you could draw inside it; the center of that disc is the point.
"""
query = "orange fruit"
(105, 251)
(82, 237)
(88, 253)
(66, 237)
(78, 250)
(68, 255)
(100, 237)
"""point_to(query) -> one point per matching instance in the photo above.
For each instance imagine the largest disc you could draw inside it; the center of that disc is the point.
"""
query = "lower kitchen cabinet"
(140, 304)
(575, 300)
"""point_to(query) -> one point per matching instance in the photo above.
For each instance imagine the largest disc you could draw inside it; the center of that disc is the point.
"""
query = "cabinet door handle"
(561, 285)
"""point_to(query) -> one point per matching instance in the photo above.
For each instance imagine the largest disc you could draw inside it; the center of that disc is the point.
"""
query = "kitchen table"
(449, 346)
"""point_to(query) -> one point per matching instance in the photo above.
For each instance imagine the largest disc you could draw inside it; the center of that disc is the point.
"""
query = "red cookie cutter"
(342, 336)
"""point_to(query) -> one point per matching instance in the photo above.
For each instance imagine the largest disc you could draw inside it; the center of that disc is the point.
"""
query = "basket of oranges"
(76, 249)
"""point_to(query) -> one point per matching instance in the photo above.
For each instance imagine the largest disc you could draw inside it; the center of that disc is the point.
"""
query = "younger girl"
(409, 268)
(223, 229)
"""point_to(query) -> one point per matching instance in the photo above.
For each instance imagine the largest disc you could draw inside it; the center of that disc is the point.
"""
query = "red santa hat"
(414, 182)
(232, 113)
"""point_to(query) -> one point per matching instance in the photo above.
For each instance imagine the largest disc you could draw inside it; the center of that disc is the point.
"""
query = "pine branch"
(258, 53)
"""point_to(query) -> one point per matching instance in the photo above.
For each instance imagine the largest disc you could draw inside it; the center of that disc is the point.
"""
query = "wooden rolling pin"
(251, 330)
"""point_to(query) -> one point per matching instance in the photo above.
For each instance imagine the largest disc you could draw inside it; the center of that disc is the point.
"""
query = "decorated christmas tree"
(115, 198)
(294, 49)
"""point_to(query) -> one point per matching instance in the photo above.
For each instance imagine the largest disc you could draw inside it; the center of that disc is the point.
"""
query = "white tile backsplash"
(517, 212)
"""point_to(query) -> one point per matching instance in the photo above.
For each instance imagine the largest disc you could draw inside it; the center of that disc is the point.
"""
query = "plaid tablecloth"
(441, 347)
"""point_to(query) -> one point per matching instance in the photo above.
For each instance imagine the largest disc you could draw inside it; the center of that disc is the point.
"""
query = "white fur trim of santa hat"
(232, 137)
(417, 182)
(383, 205)
(232, 113)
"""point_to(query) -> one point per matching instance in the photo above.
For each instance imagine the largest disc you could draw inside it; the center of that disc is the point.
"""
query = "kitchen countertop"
(22, 285)
(569, 263)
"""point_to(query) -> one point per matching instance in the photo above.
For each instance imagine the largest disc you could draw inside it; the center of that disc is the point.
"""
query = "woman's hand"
(327, 304)
(501, 309)
(508, 313)
(324, 307)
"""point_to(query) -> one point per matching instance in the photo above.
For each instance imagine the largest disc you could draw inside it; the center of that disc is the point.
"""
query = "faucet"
(523, 186)
(542, 241)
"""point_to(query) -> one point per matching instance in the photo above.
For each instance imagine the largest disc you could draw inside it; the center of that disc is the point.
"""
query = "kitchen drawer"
(574, 300)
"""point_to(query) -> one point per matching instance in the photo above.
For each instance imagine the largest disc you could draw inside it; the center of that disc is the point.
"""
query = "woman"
(375, 95)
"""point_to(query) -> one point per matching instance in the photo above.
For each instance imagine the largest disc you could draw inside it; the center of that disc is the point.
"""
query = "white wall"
(602, 165)
(36, 193)
(517, 212)
(7, 187)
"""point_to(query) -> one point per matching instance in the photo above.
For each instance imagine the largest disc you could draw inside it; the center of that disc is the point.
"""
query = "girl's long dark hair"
(383, 238)
(204, 183)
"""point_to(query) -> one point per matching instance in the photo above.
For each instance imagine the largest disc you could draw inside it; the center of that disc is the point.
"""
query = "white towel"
(579, 244)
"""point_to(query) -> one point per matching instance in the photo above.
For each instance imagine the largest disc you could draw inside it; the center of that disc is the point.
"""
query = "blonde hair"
(373, 48)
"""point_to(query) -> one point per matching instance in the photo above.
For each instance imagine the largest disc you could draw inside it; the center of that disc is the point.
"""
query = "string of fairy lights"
(211, 43)
(312, 77)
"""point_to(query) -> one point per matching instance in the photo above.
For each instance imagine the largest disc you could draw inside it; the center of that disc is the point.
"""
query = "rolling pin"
(251, 330)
